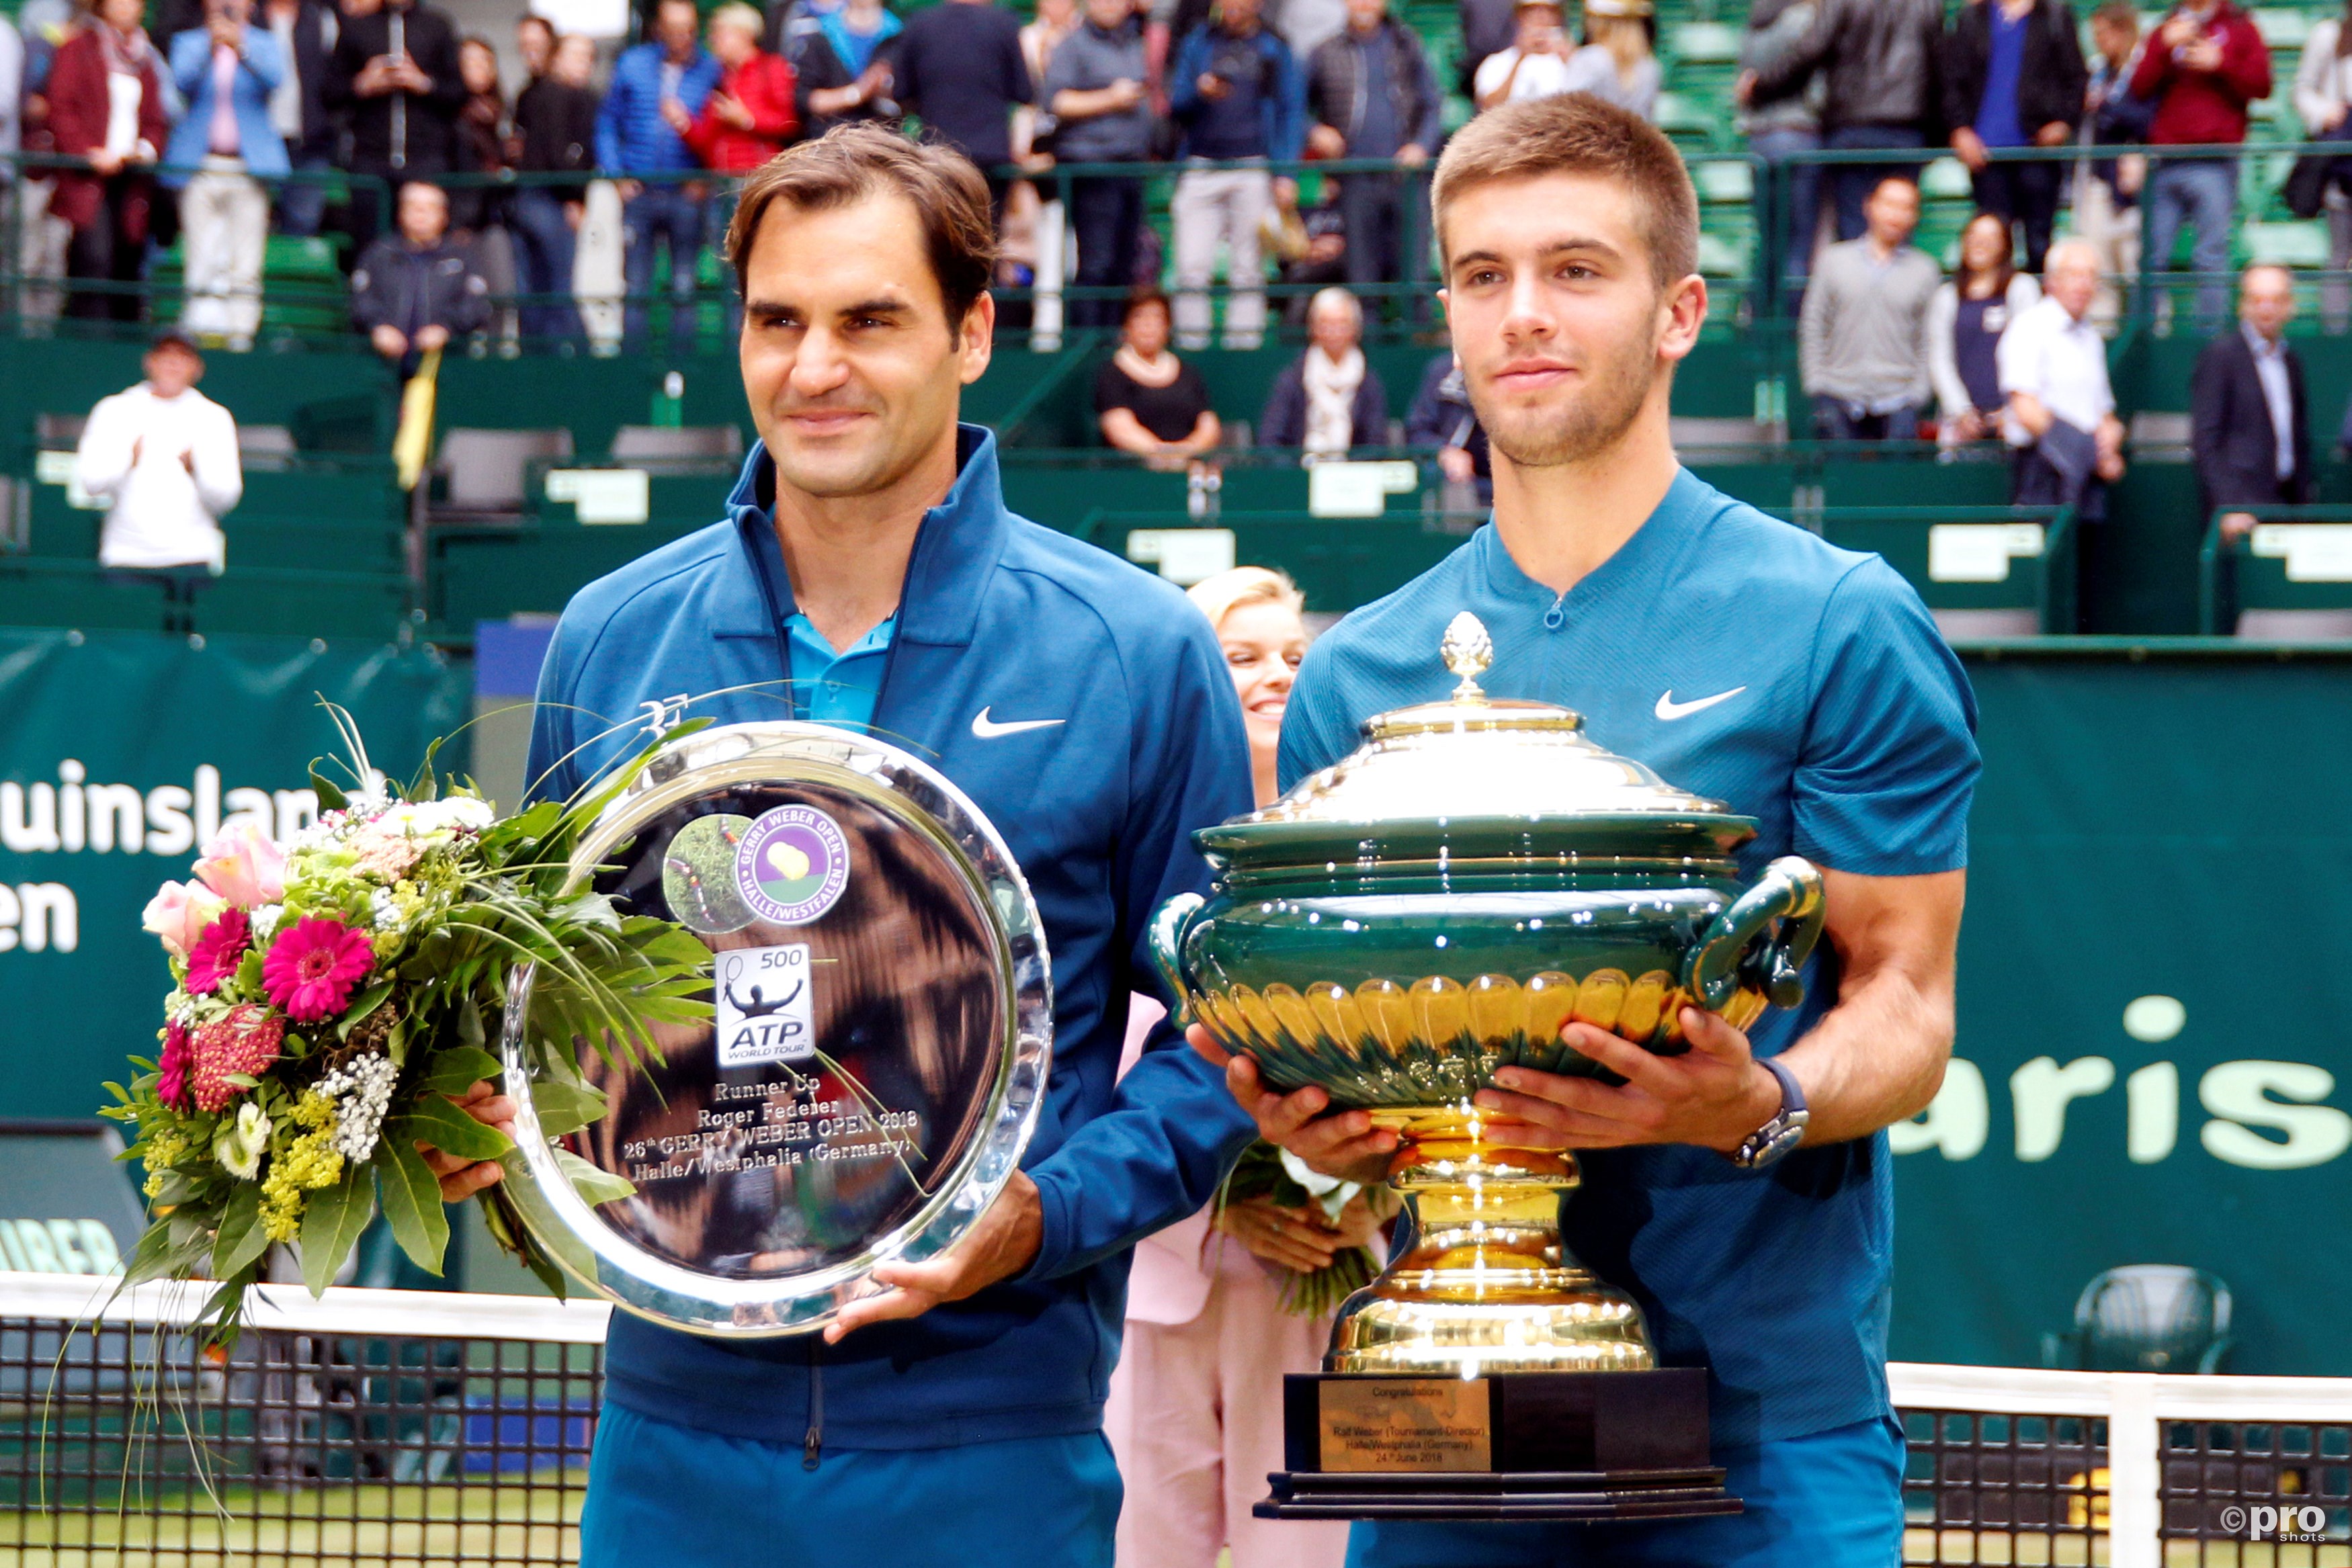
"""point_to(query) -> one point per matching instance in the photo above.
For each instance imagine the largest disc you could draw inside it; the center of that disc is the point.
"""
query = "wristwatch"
(1784, 1131)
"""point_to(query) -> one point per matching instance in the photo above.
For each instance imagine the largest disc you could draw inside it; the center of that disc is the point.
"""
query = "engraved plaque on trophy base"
(1507, 1446)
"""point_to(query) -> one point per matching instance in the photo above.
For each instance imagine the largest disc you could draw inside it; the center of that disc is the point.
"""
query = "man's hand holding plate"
(999, 1246)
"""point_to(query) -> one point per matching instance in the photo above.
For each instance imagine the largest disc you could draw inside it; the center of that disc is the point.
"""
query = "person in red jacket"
(2203, 69)
(106, 104)
(748, 117)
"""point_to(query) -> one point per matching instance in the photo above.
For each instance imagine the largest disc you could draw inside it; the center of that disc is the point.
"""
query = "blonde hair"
(1219, 596)
(737, 15)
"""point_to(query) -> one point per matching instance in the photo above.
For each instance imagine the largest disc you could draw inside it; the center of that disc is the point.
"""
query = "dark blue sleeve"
(1429, 131)
(1287, 136)
(1172, 1129)
(1889, 763)
(612, 117)
(1283, 421)
(1184, 101)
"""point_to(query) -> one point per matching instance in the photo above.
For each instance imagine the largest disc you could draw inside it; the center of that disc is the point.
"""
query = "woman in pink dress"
(1195, 1412)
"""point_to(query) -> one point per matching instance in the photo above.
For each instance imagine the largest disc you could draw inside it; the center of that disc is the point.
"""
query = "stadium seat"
(2147, 1317)
(676, 444)
(485, 473)
(264, 441)
(1718, 435)
(2159, 436)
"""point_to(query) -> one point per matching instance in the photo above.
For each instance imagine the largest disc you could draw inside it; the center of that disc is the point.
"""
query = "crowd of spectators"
(226, 122)
(221, 121)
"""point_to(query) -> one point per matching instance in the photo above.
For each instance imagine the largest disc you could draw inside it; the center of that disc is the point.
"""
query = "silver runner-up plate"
(884, 1028)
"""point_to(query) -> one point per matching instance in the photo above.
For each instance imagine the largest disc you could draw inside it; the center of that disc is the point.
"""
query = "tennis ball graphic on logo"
(787, 872)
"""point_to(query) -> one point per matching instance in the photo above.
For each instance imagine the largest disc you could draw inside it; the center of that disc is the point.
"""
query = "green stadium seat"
(2282, 29)
(1693, 126)
(1703, 43)
(1947, 180)
(1729, 181)
(2286, 244)
(1727, 254)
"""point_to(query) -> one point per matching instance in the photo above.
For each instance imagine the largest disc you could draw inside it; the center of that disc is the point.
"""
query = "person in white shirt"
(2060, 417)
(164, 455)
(1534, 67)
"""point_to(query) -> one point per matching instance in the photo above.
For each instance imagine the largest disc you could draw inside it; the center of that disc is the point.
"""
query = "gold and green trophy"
(1439, 905)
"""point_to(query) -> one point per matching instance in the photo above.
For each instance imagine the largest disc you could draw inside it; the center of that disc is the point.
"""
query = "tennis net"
(369, 1426)
(418, 1428)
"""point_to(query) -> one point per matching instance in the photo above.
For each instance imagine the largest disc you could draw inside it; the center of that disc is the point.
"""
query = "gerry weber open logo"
(792, 865)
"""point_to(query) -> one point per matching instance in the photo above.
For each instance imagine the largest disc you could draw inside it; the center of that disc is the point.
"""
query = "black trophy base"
(1510, 1446)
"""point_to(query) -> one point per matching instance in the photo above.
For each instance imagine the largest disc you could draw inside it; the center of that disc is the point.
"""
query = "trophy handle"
(1168, 949)
(1789, 892)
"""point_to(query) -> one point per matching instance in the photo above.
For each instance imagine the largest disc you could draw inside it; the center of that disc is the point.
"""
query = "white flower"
(384, 910)
(265, 921)
(436, 819)
(362, 1092)
(238, 1146)
(1329, 1192)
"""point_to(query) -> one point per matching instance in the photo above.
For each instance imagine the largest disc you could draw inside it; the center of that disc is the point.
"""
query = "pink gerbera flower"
(312, 969)
(173, 1089)
(215, 956)
(245, 1041)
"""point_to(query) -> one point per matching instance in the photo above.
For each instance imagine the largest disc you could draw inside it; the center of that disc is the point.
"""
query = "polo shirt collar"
(1653, 550)
(961, 539)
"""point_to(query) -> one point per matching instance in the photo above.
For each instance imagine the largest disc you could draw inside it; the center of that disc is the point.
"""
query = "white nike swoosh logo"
(987, 728)
(1670, 709)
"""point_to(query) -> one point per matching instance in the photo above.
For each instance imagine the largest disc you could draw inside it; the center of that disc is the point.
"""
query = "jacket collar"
(958, 544)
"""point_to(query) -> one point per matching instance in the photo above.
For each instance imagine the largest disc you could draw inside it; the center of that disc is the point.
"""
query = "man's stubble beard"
(1591, 425)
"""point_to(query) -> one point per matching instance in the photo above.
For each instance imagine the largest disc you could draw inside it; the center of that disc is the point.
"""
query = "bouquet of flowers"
(332, 994)
(1280, 1177)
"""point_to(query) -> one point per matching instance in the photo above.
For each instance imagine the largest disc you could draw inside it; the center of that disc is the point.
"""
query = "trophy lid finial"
(1467, 651)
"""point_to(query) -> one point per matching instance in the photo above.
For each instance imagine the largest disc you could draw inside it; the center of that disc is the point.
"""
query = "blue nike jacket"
(1003, 618)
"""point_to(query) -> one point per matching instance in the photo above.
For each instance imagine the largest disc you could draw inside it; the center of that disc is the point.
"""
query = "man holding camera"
(2204, 68)
(1236, 90)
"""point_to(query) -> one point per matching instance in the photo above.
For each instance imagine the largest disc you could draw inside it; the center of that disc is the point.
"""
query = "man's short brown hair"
(851, 162)
(1576, 133)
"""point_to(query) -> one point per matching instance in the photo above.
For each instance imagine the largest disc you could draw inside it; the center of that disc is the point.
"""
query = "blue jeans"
(1107, 216)
(2203, 192)
(544, 246)
(674, 215)
(1833, 421)
(669, 1495)
(1833, 1499)
(1852, 183)
(1802, 184)
(303, 206)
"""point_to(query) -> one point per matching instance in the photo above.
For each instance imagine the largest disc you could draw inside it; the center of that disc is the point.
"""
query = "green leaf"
(411, 1195)
(369, 1000)
(564, 1108)
(456, 1069)
(469, 1023)
(332, 1223)
(591, 909)
(593, 1184)
(451, 1130)
(241, 1238)
(151, 1258)
(329, 797)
